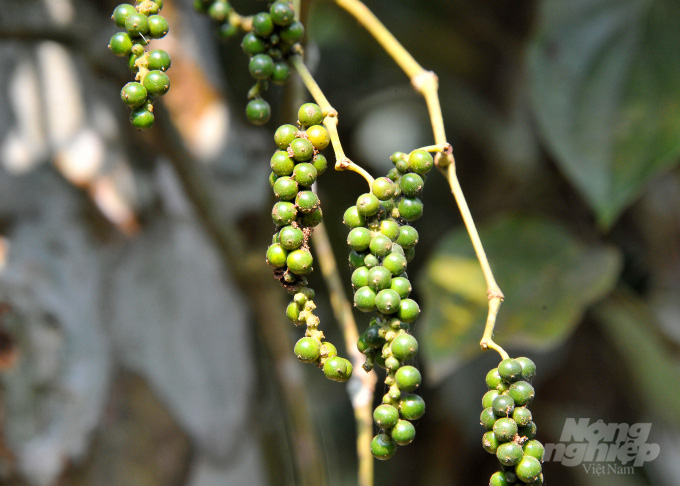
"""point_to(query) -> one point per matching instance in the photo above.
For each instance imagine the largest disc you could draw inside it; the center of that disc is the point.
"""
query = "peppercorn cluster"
(510, 429)
(273, 35)
(382, 242)
(295, 167)
(142, 23)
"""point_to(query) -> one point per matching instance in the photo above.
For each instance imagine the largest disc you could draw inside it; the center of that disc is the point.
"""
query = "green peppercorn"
(522, 416)
(263, 25)
(252, 44)
(395, 262)
(156, 83)
(159, 60)
(505, 429)
(310, 114)
(133, 94)
(420, 162)
(383, 188)
(404, 346)
(261, 66)
(487, 418)
(284, 135)
(364, 299)
(258, 111)
(503, 406)
(383, 447)
(510, 370)
(277, 256)
(521, 392)
(307, 350)
(320, 163)
(528, 469)
(410, 208)
(411, 406)
(281, 73)
(120, 44)
(293, 32)
(359, 239)
(137, 24)
(299, 261)
(307, 201)
(281, 164)
(379, 278)
(121, 13)
(291, 238)
(337, 369)
(490, 443)
(142, 117)
(319, 137)
(509, 453)
(304, 174)
(385, 416)
(401, 285)
(403, 432)
(303, 150)
(158, 26)
(408, 378)
(411, 185)
(352, 218)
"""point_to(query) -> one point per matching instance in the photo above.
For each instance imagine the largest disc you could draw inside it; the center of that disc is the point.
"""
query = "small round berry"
(521, 392)
(408, 378)
(360, 277)
(356, 258)
(370, 260)
(285, 188)
(281, 164)
(320, 163)
(132, 61)
(385, 416)
(142, 118)
(300, 262)
(158, 26)
(402, 286)
(219, 11)
(489, 397)
(383, 188)
(120, 44)
(227, 30)
(411, 406)
(404, 346)
(262, 24)
(379, 278)
(402, 166)
(410, 208)
(528, 369)
(283, 213)
(364, 299)
(393, 174)
(311, 219)
(420, 162)
(359, 238)
(522, 416)
(156, 83)
(395, 262)
(337, 369)
(383, 447)
(281, 73)
(133, 94)
(411, 185)
(408, 237)
(503, 405)
(121, 13)
(368, 204)
(304, 174)
(328, 349)
(505, 429)
(490, 443)
(373, 336)
(380, 245)
(387, 301)
(390, 229)
(137, 24)
(272, 179)
(276, 256)
(293, 312)
(303, 150)
(284, 135)
(353, 219)
(258, 111)
(529, 469)
(307, 201)
(292, 33)
(493, 379)
(509, 454)
(498, 479)
(319, 136)
(307, 350)
(535, 449)
(310, 114)
(261, 66)
(528, 431)
(408, 310)
(396, 156)
(291, 238)
(159, 60)
(252, 44)
(282, 13)
(403, 432)
(487, 418)
(510, 370)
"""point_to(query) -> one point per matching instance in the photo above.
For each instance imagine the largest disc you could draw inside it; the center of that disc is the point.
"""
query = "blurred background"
(143, 340)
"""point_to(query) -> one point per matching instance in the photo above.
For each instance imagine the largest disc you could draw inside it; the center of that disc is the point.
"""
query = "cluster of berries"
(295, 167)
(382, 243)
(508, 421)
(142, 22)
(273, 36)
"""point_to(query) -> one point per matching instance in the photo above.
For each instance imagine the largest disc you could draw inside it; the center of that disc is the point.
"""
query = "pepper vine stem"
(361, 385)
(426, 83)
(330, 121)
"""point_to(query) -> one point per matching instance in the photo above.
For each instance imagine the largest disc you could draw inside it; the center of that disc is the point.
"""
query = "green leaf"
(605, 85)
(630, 326)
(548, 277)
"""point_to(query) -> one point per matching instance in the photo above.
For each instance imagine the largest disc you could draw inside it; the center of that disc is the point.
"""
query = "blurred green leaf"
(549, 278)
(605, 83)
(631, 327)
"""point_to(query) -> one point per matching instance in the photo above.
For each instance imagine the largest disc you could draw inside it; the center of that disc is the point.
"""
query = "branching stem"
(342, 162)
